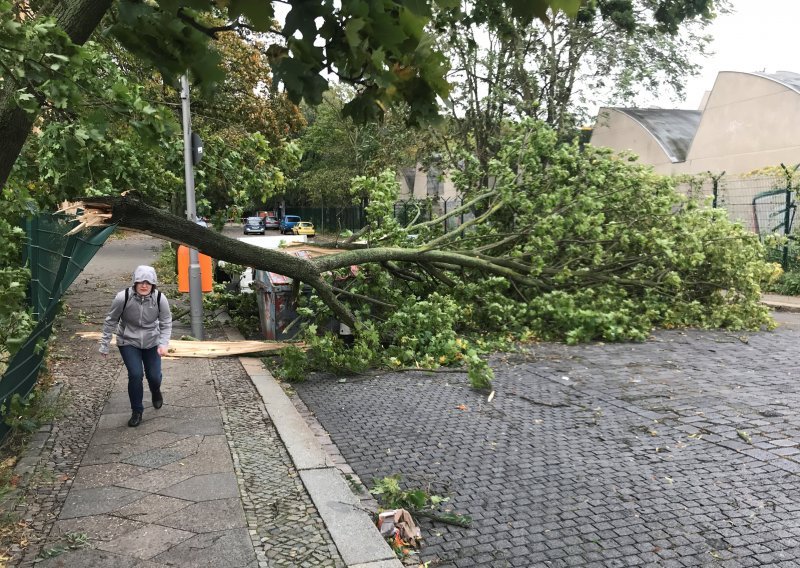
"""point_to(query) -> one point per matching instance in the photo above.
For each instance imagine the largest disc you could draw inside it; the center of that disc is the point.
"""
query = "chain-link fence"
(55, 260)
(333, 220)
(765, 205)
(420, 210)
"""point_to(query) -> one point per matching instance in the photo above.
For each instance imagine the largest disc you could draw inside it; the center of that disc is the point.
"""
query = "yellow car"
(304, 228)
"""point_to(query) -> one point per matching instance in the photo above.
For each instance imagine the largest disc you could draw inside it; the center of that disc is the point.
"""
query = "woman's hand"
(162, 351)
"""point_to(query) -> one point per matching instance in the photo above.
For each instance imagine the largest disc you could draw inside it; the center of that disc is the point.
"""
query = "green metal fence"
(55, 260)
(332, 220)
(765, 205)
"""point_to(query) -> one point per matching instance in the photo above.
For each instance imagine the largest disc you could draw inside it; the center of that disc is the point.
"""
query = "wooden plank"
(185, 348)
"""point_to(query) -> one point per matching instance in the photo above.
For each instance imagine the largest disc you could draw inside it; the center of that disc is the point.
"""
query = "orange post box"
(206, 280)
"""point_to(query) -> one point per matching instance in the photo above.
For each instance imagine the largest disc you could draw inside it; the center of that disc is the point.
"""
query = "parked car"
(304, 228)
(287, 223)
(253, 225)
(271, 222)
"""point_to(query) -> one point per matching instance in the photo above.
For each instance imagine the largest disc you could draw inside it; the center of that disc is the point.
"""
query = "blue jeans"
(141, 363)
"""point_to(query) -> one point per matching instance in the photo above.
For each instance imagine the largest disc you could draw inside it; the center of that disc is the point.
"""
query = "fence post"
(787, 215)
(715, 187)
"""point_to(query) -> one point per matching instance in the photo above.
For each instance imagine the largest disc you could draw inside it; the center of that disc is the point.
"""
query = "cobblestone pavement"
(197, 484)
(680, 451)
(284, 522)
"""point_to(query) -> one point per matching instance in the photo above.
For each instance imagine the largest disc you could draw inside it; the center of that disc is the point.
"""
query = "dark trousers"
(141, 363)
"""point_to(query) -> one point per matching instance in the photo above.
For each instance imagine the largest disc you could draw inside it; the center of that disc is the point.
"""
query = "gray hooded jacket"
(142, 324)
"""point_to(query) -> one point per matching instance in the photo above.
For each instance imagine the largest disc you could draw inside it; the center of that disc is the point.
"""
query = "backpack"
(127, 294)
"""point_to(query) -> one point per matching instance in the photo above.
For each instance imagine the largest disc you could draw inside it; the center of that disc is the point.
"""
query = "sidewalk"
(207, 481)
(781, 303)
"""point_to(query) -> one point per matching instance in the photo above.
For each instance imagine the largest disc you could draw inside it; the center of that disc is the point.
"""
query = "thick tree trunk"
(15, 124)
(133, 214)
(78, 18)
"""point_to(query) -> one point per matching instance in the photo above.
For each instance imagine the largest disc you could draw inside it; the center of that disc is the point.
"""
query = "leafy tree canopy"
(553, 250)
(337, 149)
(554, 69)
(566, 243)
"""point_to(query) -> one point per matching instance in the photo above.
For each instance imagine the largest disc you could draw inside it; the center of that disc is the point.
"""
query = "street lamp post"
(195, 283)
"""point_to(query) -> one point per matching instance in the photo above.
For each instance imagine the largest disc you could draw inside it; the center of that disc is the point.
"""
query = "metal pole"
(787, 225)
(195, 282)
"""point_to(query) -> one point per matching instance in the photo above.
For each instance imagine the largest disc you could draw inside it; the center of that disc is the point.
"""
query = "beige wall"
(749, 122)
(620, 131)
(420, 189)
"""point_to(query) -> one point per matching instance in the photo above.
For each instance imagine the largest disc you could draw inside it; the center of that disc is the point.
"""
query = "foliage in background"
(568, 244)
(166, 265)
(110, 125)
(16, 320)
(788, 284)
(242, 308)
(785, 282)
(554, 69)
(336, 149)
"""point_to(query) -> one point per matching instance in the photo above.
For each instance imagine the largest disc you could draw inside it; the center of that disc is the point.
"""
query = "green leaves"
(260, 14)
(168, 42)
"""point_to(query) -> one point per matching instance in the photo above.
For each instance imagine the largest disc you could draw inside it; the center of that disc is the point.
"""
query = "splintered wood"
(89, 214)
(313, 251)
(210, 349)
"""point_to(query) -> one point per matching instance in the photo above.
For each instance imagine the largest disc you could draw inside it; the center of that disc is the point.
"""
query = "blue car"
(288, 222)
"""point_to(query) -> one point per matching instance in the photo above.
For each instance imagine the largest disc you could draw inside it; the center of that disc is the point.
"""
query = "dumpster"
(206, 273)
(276, 308)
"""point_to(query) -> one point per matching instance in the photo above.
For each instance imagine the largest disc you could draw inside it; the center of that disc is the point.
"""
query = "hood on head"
(145, 274)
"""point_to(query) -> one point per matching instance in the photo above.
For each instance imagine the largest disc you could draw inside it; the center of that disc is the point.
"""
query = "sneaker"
(136, 419)
(158, 400)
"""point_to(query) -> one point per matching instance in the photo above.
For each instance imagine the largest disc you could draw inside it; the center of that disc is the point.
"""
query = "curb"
(348, 522)
(782, 306)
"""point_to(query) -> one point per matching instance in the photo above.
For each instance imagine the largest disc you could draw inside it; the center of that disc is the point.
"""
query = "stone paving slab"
(96, 528)
(205, 487)
(153, 508)
(223, 548)
(146, 542)
(208, 516)
(88, 558)
(97, 500)
(106, 474)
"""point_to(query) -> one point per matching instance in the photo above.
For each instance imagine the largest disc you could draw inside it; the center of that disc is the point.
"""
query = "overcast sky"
(760, 35)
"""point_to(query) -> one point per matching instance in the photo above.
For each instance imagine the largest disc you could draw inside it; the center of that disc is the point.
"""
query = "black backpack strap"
(127, 291)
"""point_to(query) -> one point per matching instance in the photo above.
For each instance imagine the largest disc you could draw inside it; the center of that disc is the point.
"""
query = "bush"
(787, 284)
(572, 245)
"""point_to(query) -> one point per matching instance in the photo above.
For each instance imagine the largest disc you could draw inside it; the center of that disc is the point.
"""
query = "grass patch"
(166, 265)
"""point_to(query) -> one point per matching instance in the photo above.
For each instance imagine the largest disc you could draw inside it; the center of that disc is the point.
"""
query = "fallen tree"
(565, 244)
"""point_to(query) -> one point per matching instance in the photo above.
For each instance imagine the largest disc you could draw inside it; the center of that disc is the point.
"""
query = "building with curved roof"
(748, 121)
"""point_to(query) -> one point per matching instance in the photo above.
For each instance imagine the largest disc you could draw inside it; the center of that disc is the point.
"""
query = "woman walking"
(141, 318)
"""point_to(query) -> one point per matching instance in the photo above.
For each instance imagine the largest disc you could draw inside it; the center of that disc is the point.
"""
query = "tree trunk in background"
(78, 18)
